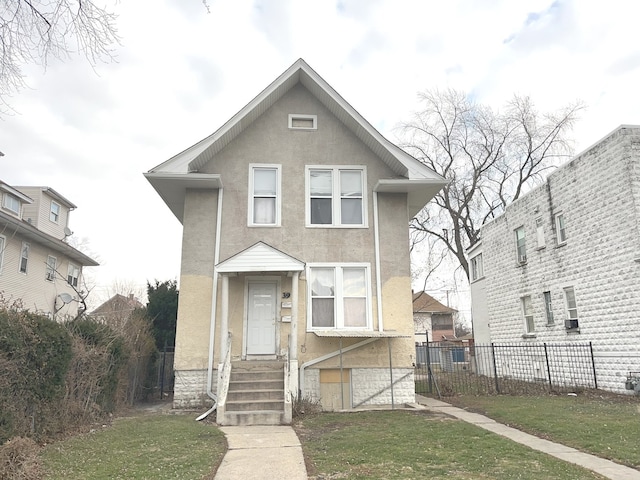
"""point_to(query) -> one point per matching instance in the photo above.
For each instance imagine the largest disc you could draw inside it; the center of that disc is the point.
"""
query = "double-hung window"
(340, 296)
(336, 196)
(521, 245)
(24, 257)
(547, 307)
(477, 269)
(50, 272)
(561, 234)
(264, 195)
(54, 213)
(11, 203)
(73, 273)
(527, 311)
(572, 308)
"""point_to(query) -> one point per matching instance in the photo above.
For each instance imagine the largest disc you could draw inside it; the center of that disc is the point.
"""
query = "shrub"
(19, 460)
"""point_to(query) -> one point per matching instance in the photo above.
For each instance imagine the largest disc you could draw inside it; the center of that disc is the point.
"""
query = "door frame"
(270, 279)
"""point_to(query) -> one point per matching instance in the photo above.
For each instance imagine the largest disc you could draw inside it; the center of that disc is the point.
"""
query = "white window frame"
(521, 249)
(50, 270)
(55, 211)
(561, 228)
(3, 245)
(71, 278)
(336, 220)
(548, 308)
(301, 116)
(24, 255)
(571, 311)
(540, 240)
(527, 313)
(338, 297)
(278, 196)
(477, 267)
(8, 202)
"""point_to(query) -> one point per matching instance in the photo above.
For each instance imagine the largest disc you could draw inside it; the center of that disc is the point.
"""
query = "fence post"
(164, 359)
(429, 372)
(495, 368)
(546, 357)
(593, 366)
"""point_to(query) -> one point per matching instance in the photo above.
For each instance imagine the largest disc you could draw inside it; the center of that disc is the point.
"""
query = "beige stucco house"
(295, 276)
(39, 270)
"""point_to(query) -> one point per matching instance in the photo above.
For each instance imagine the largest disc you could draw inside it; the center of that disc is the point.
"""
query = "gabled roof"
(118, 304)
(260, 257)
(424, 303)
(191, 160)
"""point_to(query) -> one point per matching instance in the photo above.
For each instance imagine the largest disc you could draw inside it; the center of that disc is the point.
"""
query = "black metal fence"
(450, 368)
(166, 375)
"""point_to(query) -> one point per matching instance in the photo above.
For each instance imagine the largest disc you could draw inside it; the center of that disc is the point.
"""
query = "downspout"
(376, 242)
(214, 306)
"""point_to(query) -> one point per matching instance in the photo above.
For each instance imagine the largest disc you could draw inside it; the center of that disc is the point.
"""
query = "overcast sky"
(181, 72)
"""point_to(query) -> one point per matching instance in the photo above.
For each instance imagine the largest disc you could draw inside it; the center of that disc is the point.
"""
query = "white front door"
(261, 320)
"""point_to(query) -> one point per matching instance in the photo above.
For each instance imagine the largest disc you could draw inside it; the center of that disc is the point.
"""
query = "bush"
(19, 460)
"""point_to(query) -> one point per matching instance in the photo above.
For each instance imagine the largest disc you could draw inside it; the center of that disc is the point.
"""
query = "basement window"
(303, 122)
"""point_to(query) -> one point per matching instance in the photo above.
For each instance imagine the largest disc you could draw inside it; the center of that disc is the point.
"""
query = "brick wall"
(598, 193)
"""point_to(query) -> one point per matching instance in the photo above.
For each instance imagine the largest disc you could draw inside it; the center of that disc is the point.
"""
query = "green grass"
(143, 447)
(414, 445)
(607, 426)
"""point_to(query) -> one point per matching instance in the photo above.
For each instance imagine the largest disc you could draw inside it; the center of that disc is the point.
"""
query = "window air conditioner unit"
(522, 259)
(571, 323)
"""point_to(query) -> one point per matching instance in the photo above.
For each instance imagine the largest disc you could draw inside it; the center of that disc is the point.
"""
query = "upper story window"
(73, 273)
(303, 122)
(540, 240)
(50, 272)
(340, 297)
(3, 243)
(561, 234)
(24, 257)
(54, 213)
(477, 268)
(527, 311)
(572, 308)
(521, 245)
(265, 196)
(547, 307)
(11, 203)
(336, 196)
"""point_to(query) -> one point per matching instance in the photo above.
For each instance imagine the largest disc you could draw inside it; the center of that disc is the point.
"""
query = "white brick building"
(562, 264)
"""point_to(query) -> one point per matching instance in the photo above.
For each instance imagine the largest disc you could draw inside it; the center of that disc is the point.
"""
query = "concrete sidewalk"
(599, 465)
(262, 452)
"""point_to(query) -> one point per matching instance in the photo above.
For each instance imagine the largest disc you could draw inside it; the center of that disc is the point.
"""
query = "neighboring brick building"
(562, 264)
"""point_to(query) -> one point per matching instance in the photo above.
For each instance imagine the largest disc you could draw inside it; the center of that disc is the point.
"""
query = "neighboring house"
(295, 249)
(38, 269)
(117, 310)
(432, 317)
(562, 264)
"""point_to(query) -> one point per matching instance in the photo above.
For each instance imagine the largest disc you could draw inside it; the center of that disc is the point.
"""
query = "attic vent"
(303, 122)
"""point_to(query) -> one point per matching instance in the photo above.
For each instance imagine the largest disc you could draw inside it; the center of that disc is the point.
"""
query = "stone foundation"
(190, 389)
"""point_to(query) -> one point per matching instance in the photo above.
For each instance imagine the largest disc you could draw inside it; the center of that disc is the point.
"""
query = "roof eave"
(419, 192)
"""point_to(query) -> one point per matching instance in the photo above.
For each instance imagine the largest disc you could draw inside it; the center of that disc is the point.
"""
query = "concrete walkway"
(262, 452)
(599, 465)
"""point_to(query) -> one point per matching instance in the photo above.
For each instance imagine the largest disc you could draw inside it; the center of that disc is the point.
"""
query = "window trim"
(7, 207)
(24, 257)
(568, 317)
(529, 326)
(335, 196)
(50, 269)
(339, 297)
(76, 268)
(55, 216)
(559, 217)
(251, 197)
(521, 253)
(541, 241)
(302, 116)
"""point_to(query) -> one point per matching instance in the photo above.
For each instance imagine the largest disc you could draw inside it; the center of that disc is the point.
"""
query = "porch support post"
(293, 340)
(224, 320)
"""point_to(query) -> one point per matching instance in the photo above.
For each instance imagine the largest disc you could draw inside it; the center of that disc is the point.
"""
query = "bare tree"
(33, 31)
(490, 159)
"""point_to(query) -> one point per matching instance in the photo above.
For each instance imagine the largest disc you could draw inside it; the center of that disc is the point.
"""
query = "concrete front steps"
(255, 395)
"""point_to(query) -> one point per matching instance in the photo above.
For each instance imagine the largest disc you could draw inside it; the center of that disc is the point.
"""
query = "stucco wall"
(598, 194)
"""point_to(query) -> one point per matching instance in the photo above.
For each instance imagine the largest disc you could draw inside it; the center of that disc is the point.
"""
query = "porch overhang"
(260, 257)
(419, 191)
(360, 334)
